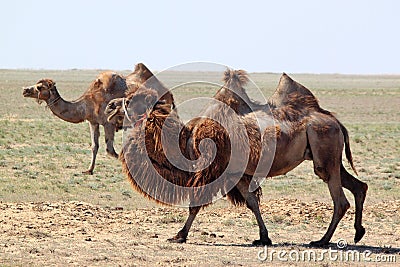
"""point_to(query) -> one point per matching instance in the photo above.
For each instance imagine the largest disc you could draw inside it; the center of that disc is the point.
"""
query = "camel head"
(135, 106)
(44, 89)
(114, 111)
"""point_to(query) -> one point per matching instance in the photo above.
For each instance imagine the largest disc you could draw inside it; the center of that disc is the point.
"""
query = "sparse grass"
(126, 193)
(172, 218)
(42, 157)
(278, 219)
(229, 222)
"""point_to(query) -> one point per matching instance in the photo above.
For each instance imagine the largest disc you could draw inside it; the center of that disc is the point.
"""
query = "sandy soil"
(81, 234)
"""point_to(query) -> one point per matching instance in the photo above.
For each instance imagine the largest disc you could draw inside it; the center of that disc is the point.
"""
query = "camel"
(303, 131)
(293, 121)
(91, 105)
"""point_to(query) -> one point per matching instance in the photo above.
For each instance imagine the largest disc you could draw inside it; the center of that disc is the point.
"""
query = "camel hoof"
(177, 239)
(88, 172)
(112, 154)
(359, 234)
(318, 244)
(259, 242)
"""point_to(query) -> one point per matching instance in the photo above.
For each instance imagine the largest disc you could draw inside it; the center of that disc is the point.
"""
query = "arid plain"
(52, 214)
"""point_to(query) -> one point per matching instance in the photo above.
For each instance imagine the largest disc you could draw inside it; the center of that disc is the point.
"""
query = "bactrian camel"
(292, 120)
(91, 105)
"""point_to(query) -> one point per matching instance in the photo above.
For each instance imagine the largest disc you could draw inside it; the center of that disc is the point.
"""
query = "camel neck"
(70, 111)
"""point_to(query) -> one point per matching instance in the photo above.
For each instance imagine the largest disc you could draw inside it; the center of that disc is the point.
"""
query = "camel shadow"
(333, 246)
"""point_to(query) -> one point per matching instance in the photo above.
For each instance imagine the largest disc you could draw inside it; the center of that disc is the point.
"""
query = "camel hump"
(111, 81)
(142, 75)
(290, 92)
(108, 82)
(141, 72)
(236, 77)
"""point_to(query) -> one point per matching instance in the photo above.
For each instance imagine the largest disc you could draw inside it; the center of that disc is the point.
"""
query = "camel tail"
(347, 149)
(239, 77)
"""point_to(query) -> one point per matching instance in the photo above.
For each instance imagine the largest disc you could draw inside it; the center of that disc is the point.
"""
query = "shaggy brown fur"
(150, 172)
(237, 100)
(143, 151)
(276, 140)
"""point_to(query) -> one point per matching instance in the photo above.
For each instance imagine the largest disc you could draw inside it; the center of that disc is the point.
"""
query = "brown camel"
(295, 123)
(303, 131)
(91, 105)
(146, 162)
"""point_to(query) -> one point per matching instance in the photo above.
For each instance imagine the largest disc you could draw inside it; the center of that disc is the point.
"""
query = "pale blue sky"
(269, 36)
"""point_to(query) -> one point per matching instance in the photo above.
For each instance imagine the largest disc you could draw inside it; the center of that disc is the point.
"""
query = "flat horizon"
(338, 37)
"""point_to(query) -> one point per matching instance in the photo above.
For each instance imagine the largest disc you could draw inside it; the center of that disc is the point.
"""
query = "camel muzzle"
(28, 91)
(112, 113)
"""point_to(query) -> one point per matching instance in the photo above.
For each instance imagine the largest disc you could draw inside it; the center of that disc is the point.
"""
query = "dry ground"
(78, 233)
(51, 214)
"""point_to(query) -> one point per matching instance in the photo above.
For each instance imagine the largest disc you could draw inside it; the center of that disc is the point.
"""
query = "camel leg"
(359, 190)
(95, 134)
(183, 233)
(327, 150)
(340, 206)
(252, 204)
(109, 132)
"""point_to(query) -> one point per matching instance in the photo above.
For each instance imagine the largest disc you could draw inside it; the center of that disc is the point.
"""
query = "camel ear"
(51, 84)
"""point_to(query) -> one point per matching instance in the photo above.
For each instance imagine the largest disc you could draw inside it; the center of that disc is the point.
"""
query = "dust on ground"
(82, 234)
